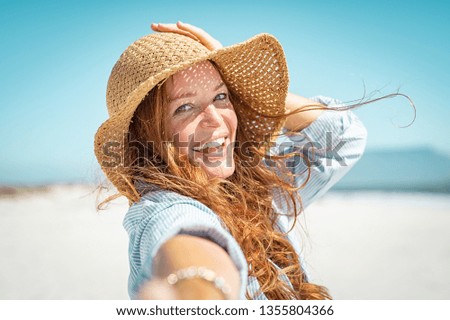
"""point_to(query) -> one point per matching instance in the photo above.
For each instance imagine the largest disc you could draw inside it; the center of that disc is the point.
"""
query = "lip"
(217, 154)
(215, 137)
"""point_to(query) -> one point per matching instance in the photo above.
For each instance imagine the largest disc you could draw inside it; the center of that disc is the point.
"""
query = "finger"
(169, 27)
(201, 34)
(204, 37)
(193, 29)
(164, 26)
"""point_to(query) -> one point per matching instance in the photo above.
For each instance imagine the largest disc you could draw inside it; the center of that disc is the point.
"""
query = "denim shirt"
(339, 140)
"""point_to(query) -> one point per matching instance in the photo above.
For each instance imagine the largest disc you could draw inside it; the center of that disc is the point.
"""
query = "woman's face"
(201, 119)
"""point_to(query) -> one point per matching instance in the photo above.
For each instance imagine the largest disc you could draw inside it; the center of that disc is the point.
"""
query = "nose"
(211, 117)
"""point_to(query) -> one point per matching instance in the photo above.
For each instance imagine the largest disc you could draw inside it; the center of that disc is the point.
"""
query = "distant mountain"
(418, 169)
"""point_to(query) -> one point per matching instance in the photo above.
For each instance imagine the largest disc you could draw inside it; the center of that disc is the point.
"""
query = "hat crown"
(153, 56)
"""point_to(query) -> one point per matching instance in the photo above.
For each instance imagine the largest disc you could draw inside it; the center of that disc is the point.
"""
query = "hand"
(157, 289)
(194, 289)
(189, 30)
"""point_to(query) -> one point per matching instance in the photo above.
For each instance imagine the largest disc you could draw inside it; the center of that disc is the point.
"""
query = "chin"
(220, 172)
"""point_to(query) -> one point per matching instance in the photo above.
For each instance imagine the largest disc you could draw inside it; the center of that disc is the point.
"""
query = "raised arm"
(306, 111)
(329, 147)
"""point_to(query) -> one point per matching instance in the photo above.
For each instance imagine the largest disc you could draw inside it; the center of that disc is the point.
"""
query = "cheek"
(232, 121)
(181, 135)
(174, 130)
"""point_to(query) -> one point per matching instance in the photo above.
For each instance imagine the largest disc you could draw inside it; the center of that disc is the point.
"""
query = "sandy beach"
(360, 245)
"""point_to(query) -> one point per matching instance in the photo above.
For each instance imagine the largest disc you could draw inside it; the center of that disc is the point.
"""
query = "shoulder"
(163, 207)
(161, 214)
(160, 200)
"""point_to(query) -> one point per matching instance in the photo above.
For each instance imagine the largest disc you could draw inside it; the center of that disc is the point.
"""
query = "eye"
(220, 96)
(183, 108)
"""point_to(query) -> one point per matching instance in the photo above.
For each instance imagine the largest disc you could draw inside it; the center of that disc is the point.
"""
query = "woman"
(217, 160)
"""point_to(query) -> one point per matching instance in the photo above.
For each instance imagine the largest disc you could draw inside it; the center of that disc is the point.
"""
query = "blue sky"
(56, 57)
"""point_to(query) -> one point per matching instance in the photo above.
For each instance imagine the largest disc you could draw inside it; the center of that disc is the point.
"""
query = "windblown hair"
(243, 201)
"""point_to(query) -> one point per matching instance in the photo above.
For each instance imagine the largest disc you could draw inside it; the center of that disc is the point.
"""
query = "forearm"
(307, 112)
(338, 139)
(183, 252)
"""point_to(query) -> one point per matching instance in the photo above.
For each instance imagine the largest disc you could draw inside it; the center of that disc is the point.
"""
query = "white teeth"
(211, 144)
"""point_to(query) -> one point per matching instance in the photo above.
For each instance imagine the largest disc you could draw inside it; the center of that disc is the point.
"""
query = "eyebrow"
(192, 94)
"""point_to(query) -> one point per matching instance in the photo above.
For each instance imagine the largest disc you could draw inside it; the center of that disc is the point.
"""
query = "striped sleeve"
(151, 223)
(332, 144)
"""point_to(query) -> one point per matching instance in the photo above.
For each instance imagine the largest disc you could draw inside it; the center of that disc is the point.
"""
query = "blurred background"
(392, 208)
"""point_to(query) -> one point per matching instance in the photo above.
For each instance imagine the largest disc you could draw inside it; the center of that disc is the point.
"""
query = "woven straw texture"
(255, 69)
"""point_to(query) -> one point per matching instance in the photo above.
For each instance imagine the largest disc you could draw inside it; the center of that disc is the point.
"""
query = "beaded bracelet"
(201, 273)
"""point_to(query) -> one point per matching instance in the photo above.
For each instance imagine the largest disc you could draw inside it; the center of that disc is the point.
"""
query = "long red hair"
(243, 201)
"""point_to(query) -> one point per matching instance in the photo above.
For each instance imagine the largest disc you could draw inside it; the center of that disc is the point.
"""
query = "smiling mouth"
(214, 147)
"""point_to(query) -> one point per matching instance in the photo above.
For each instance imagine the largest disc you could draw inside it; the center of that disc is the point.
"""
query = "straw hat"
(255, 69)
